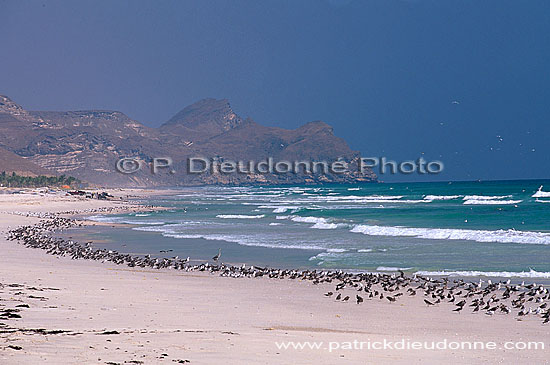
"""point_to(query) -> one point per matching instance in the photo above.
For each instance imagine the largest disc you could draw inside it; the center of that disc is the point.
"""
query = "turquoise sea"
(499, 228)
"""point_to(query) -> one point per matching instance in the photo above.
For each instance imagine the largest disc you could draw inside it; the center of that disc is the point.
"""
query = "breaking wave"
(441, 197)
(491, 202)
(122, 220)
(541, 194)
(486, 197)
(239, 216)
(389, 268)
(500, 236)
(503, 274)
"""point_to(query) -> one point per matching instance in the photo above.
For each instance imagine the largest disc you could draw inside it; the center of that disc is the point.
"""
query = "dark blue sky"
(383, 73)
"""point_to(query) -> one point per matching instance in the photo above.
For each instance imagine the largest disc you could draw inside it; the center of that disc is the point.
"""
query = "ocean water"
(497, 228)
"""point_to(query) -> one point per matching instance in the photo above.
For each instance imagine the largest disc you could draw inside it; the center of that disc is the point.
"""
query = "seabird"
(217, 257)
(486, 296)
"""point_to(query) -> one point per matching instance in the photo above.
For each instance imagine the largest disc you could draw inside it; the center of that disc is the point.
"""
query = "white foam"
(285, 208)
(349, 199)
(441, 197)
(542, 201)
(297, 191)
(170, 228)
(541, 194)
(309, 219)
(106, 218)
(491, 202)
(320, 225)
(503, 274)
(240, 216)
(279, 208)
(405, 201)
(357, 200)
(151, 229)
(382, 197)
(365, 250)
(353, 206)
(122, 220)
(386, 268)
(155, 223)
(486, 197)
(275, 224)
(242, 240)
(500, 236)
(356, 197)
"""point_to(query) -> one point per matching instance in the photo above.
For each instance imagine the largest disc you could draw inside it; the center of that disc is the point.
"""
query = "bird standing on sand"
(217, 257)
(487, 297)
(428, 302)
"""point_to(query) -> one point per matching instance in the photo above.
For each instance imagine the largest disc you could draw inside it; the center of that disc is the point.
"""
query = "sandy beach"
(87, 312)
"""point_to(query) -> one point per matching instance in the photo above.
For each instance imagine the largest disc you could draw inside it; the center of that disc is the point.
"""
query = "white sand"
(208, 319)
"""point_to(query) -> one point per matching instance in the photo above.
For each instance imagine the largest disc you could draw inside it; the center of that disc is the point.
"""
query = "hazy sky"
(466, 82)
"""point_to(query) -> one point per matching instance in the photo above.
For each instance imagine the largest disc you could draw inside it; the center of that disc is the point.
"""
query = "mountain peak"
(205, 118)
(87, 143)
(207, 111)
(316, 126)
(9, 106)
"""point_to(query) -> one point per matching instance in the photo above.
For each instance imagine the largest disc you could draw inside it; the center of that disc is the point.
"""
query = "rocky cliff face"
(10, 162)
(87, 145)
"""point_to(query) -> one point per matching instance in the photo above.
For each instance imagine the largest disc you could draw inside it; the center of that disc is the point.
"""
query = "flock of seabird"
(489, 297)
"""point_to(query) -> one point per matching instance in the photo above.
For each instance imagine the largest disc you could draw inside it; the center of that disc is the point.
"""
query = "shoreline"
(90, 229)
(241, 254)
(206, 318)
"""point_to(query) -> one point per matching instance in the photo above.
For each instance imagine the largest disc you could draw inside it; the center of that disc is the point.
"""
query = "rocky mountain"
(10, 162)
(88, 144)
(204, 119)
